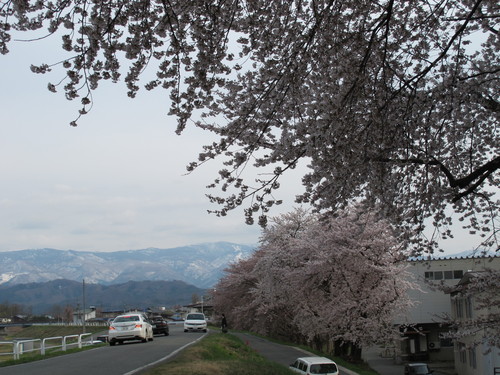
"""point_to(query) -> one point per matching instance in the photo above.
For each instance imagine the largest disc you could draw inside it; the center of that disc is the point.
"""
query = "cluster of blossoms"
(342, 280)
(392, 101)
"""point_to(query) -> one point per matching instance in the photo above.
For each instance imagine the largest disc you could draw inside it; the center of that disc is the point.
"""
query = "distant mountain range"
(199, 265)
(44, 297)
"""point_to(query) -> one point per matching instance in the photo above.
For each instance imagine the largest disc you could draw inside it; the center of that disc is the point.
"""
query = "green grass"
(222, 355)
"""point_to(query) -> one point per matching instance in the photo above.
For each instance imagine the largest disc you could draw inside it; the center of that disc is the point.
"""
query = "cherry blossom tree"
(394, 102)
(337, 281)
(232, 295)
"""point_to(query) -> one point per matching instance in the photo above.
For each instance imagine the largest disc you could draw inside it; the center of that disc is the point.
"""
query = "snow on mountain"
(200, 265)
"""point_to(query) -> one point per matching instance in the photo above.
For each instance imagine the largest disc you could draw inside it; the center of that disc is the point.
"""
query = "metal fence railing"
(16, 348)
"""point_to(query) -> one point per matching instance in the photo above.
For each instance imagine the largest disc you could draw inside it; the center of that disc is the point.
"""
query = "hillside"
(200, 265)
(41, 297)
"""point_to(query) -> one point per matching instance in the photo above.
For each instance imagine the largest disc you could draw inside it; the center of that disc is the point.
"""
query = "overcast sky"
(115, 182)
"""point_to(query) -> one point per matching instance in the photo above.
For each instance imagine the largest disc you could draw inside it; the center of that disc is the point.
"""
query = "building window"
(445, 342)
(459, 308)
(472, 357)
(468, 308)
(462, 353)
(440, 275)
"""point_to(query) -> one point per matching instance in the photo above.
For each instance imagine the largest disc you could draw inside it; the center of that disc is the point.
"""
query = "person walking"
(224, 324)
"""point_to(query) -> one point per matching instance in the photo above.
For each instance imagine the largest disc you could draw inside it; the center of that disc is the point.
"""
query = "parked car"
(127, 327)
(417, 369)
(314, 365)
(195, 322)
(159, 325)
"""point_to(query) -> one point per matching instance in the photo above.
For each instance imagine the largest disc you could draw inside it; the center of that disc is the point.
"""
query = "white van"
(314, 365)
(195, 322)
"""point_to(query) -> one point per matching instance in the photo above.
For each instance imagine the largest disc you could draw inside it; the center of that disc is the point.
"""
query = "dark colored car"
(159, 325)
(417, 369)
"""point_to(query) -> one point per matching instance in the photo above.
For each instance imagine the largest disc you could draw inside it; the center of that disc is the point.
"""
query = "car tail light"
(138, 325)
(111, 328)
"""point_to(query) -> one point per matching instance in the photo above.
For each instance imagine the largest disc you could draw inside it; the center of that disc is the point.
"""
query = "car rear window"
(419, 370)
(196, 317)
(323, 368)
(121, 319)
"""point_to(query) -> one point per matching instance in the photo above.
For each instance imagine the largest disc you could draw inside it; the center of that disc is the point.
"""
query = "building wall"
(431, 304)
(421, 324)
(78, 316)
(473, 359)
(476, 361)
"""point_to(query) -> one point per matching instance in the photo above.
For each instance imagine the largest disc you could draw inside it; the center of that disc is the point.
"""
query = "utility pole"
(83, 320)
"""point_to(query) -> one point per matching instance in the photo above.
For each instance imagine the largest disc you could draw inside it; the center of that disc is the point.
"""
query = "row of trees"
(56, 313)
(8, 310)
(339, 281)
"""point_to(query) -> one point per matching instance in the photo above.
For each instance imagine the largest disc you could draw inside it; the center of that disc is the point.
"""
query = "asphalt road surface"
(282, 354)
(286, 355)
(127, 359)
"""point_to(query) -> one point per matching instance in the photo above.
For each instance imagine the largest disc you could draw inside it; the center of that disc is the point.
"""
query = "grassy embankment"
(40, 332)
(228, 355)
(222, 355)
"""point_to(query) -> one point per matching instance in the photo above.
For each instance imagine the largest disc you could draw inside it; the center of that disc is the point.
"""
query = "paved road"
(129, 358)
(285, 355)
(282, 354)
(386, 366)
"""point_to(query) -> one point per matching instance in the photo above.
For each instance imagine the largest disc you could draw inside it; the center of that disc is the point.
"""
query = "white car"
(133, 326)
(195, 322)
(315, 365)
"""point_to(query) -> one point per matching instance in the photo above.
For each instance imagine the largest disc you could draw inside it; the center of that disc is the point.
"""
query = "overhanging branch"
(470, 182)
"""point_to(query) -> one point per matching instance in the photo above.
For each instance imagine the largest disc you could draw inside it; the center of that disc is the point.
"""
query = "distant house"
(205, 308)
(79, 316)
(20, 318)
(111, 314)
(480, 358)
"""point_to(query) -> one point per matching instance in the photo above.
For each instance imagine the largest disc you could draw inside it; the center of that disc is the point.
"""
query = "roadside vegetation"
(228, 355)
(222, 355)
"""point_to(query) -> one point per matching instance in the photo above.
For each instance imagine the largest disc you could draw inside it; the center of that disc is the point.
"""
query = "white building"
(79, 316)
(473, 354)
(422, 327)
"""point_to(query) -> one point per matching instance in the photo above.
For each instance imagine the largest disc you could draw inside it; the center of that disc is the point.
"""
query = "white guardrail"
(20, 347)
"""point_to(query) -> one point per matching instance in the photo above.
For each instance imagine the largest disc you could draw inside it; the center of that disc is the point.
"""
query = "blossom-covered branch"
(352, 88)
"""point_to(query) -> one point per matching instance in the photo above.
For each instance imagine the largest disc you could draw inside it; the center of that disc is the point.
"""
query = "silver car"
(128, 327)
